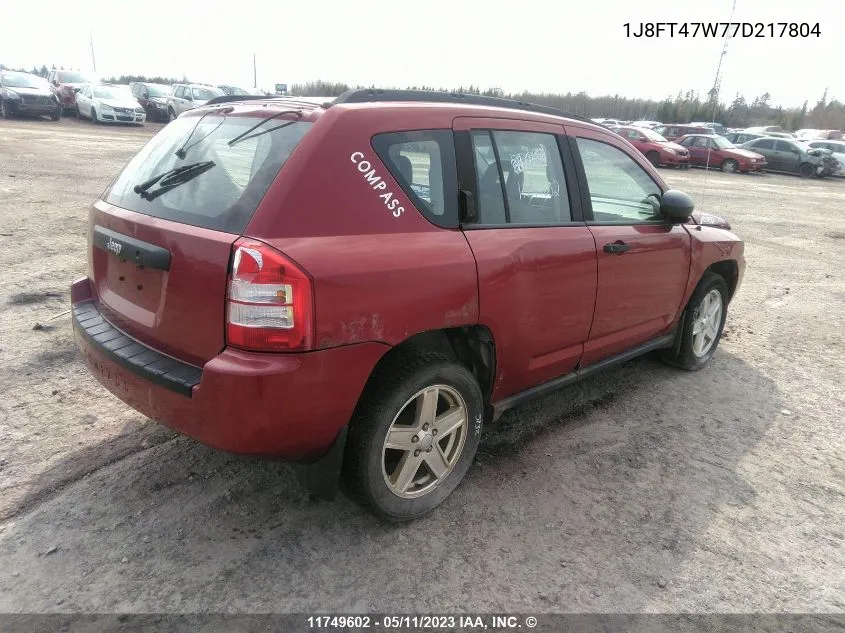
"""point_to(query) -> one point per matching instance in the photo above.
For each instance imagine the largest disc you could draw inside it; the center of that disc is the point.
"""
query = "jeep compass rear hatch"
(162, 237)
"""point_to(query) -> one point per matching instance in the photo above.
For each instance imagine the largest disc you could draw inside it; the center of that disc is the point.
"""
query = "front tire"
(653, 158)
(413, 435)
(806, 170)
(171, 114)
(94, 118)
(5, 110)
(702, 325)
(729, 166)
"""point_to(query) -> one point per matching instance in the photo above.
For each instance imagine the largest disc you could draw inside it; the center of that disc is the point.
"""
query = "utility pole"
(93, 60)
(254, 73)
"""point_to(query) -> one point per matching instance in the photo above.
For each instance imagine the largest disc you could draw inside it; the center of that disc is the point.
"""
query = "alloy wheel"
(707, 319)
(424, 441)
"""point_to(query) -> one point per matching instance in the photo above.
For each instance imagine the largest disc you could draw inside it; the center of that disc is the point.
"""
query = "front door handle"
(618, 247)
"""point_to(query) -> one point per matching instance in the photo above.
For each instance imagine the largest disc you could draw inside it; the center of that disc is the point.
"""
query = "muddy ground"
(644, 490)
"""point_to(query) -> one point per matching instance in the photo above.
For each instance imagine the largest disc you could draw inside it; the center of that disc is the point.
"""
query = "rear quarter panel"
(377, 277)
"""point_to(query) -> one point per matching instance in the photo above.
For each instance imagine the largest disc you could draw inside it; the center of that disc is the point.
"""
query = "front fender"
(710, 245)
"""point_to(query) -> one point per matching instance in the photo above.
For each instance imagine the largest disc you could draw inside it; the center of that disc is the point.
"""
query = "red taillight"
(270, 304)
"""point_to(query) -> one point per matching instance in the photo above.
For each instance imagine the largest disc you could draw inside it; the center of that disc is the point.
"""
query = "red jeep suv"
(362, 284)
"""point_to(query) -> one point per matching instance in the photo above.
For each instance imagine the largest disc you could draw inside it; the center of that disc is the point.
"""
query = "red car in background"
(64, 83)
(654, 147)
(711, 150)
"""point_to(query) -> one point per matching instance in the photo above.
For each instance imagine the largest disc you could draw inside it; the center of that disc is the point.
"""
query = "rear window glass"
(225, 178)
(423, 163)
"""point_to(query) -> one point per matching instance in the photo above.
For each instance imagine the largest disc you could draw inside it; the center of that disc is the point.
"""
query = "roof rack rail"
(367, 95)
(285, 99)
(228, 98)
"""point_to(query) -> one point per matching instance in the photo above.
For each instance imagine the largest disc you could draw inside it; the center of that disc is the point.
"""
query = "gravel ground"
(645, 490)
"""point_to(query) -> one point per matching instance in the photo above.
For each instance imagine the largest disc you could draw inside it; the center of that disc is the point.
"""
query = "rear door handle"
(618, 247)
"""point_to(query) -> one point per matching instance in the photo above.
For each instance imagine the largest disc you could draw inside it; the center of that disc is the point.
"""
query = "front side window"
(786, 146)
(701, 141)
(621, 192)
(423, 163)
(766, 143)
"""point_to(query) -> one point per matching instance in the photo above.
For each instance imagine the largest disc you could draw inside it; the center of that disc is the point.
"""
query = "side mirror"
(676, 205)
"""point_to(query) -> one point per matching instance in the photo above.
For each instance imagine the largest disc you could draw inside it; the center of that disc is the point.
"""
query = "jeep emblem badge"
(114, 247)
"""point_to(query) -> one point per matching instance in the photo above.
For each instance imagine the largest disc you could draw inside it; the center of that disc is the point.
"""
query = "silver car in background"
(189, 96)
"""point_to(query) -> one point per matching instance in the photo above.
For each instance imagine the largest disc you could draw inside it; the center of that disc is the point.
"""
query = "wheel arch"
(470, 345)
(728, 269)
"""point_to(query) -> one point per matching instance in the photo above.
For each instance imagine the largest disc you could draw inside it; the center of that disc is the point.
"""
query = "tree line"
(827, 114)
(684, 107)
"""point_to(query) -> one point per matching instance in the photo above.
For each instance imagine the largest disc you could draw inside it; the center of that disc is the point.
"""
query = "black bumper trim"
(136, 357)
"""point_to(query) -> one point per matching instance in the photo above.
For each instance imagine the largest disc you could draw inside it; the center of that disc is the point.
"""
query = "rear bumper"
(292, 406)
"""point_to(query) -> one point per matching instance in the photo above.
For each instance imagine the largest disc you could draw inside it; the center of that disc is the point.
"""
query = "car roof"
(401, 99)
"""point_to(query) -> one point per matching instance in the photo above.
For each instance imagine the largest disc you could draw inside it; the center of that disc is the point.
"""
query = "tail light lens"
(270, 304)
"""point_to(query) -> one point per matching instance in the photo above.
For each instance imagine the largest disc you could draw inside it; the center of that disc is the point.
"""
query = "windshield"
(651, 135)
(234, 90)
(204, 94)
(66, 77)
(155, 90)
(223, 194)
(723, 143)
(23, 81)
(109, 92)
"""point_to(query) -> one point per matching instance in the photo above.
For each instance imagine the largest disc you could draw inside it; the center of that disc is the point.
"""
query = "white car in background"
(107, 103)
(838, 149)
(647, 124)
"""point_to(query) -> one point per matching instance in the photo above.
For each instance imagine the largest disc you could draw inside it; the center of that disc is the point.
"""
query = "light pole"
(93, 60)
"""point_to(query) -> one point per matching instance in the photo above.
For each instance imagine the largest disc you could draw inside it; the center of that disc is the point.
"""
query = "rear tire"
(653, 158)
(806, 170)
(700, 331)
(396, 483)
(729, 166)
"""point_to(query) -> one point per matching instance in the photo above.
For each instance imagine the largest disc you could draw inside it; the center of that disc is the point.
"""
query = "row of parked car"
(74, 92)
(807, 152)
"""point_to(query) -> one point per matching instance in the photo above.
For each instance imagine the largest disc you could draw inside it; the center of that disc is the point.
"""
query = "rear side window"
(230, 176)
(423, 163)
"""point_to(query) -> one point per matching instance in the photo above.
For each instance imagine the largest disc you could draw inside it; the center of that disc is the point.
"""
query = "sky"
(535, 45)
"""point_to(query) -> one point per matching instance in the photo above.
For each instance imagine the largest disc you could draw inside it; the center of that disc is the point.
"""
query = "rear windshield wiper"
(172, 179)
(243, 135)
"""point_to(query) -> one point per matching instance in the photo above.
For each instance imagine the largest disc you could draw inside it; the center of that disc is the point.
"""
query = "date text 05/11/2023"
(721, 29)
(414, 622)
